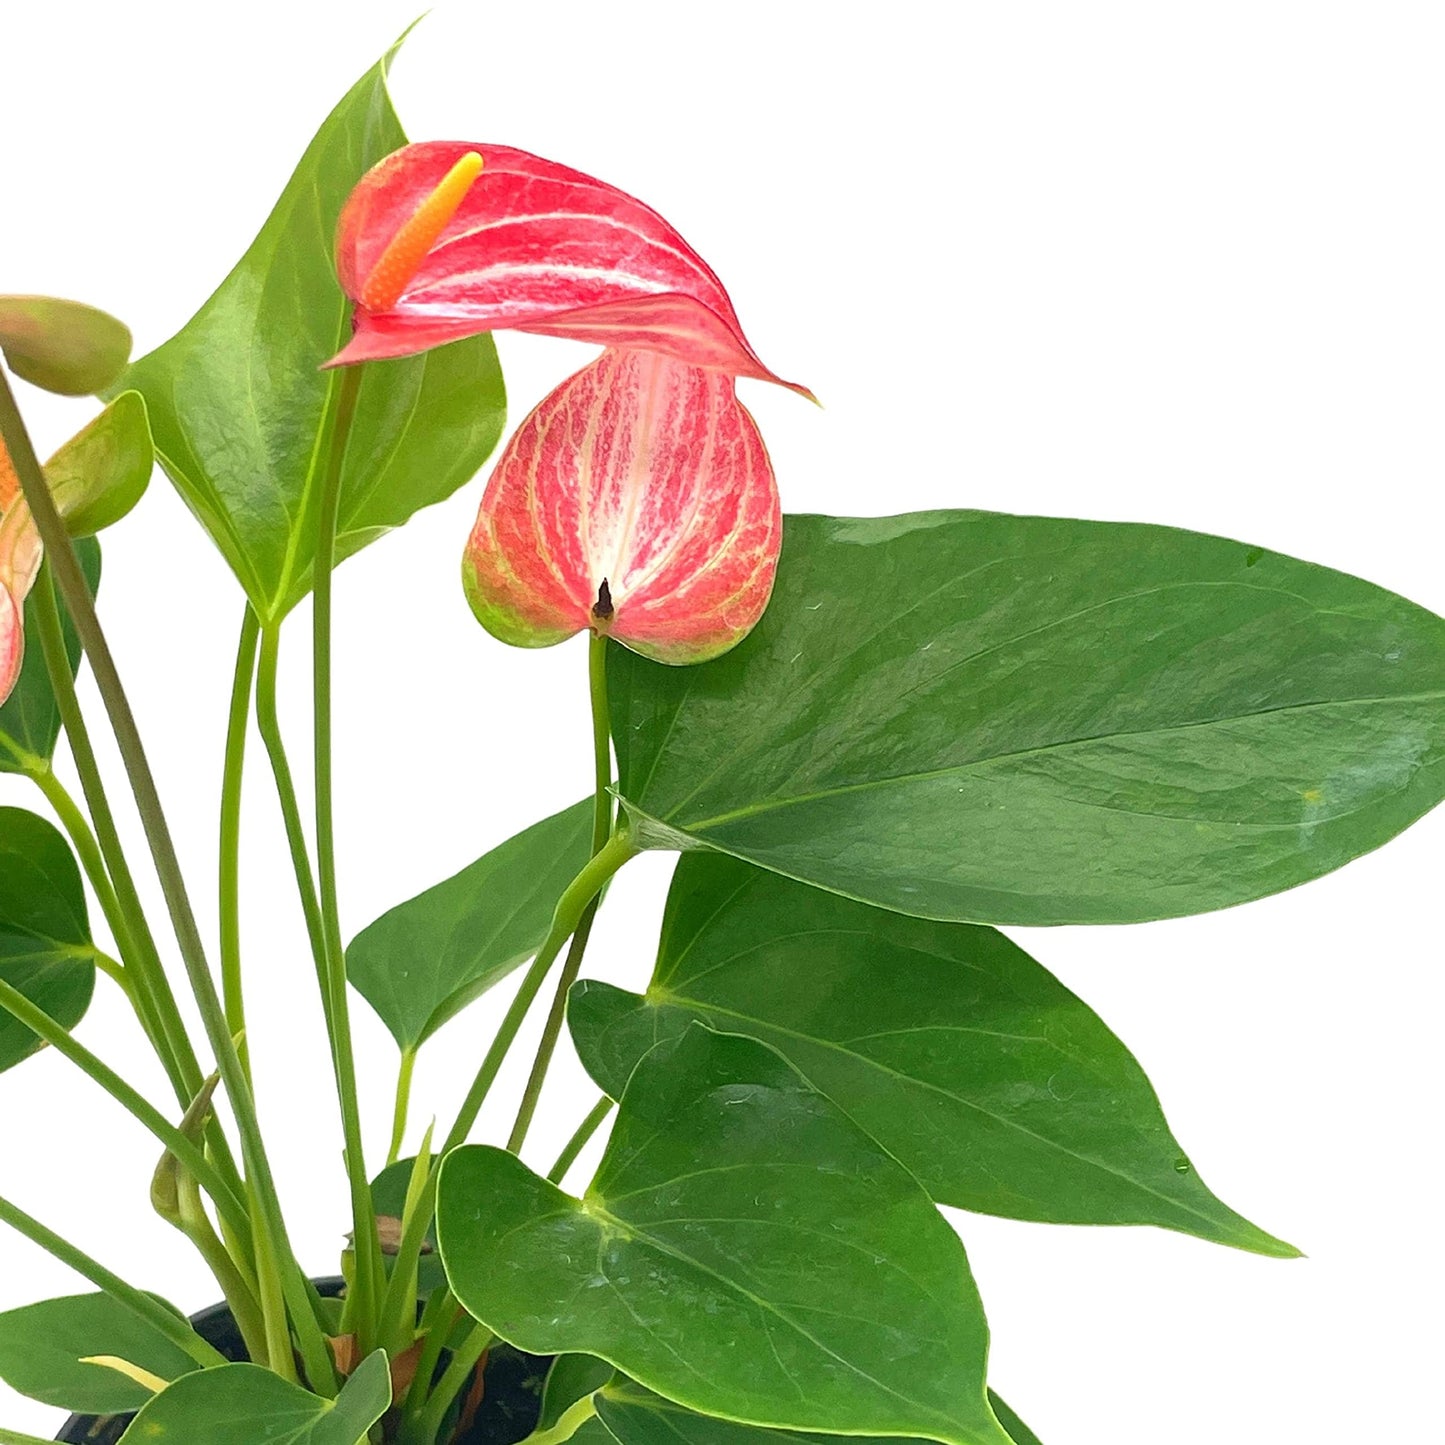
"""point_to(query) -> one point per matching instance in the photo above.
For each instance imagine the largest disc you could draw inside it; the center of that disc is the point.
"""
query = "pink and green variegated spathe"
(637, 500)
(523, 244)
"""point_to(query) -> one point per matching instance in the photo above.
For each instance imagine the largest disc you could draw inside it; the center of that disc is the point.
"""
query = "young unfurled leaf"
(62, 346)
(524, 245)
(244, 1404)
(104, 469)
(241, 412)
(45, 944)
(423, 961)
(745, 1249)
(637, 500)
(966, 1060)
(1001, 719)
(46, 1352)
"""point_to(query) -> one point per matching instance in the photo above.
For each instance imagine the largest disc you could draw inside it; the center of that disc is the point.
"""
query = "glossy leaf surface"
(244, 1404)
(532, 246)
(627, 1414)
(1026, 720)
(968, 1062)
(29, 718)
(241, 413)
(744, 1249)
(104, 469)
(638, 500)
(1019, 1433)
(423, 961)
(45, 947)
(62, 346)
(42, 1347)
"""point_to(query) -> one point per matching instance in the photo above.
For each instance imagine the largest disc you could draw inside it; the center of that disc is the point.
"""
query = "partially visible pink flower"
(445, 239)
(637, 500)
(20, 555)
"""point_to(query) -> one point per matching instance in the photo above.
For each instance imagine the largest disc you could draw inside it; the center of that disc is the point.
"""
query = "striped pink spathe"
(642, 472)
(533, 246)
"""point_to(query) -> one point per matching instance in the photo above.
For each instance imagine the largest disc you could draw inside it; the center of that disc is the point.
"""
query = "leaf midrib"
(769, 805)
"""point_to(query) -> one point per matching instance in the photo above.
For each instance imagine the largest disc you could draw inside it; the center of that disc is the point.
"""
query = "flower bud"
(637, 500)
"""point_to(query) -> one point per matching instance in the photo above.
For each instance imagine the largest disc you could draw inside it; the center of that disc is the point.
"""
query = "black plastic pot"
(511, 1402)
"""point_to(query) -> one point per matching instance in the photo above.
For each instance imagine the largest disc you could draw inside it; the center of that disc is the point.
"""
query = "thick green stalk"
(578, 1142)
(140, 1304)
(134, 939)
(601, 830)
(229, 881)
(369, 1268)
(403, 1103)
(64, 1043)
(455, 1378)
(268, 723)
(574, 1417)
(565, 918)
(71, 581)
(438, 1320)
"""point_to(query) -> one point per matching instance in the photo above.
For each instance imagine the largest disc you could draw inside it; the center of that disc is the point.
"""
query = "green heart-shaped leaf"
(631, 1415)
(43, 1348)
(242, 415)
(29, 718)
(243, 1404)
(971, 1064)
(425, 960)
(45, 945)
(104, 469)
(745, 1249)
(62, 346)
(1002, 719)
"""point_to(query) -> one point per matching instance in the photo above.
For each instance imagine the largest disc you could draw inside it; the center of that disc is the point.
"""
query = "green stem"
(369, 1267)
(573, 1418)
(229, 882)
(601, 830)
(108, 872)
(578, 1142)
(438, 1320)
(140, 1304)
(403, 1104)
(64, 1043)
(107, 867)
(454, 1380)
(565, 918)
(266, 1205)
(268, 723)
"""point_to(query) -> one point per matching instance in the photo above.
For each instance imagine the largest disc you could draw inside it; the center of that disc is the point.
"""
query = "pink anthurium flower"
(443, 240)
(637, 500)
(19, 564)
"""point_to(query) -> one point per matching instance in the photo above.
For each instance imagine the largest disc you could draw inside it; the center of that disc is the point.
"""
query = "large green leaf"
(29, 718)
(43, 1347)
(631, 1415)
(45, 945)
(423, 961)
(1024, 720)
(242, 415)
(971, 1064)
(244, 1404)
(745, 1249)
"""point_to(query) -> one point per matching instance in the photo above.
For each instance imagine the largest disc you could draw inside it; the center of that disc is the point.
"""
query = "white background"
(1170, 262)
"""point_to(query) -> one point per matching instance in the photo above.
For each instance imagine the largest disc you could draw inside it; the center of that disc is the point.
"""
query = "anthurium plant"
(870, 742)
